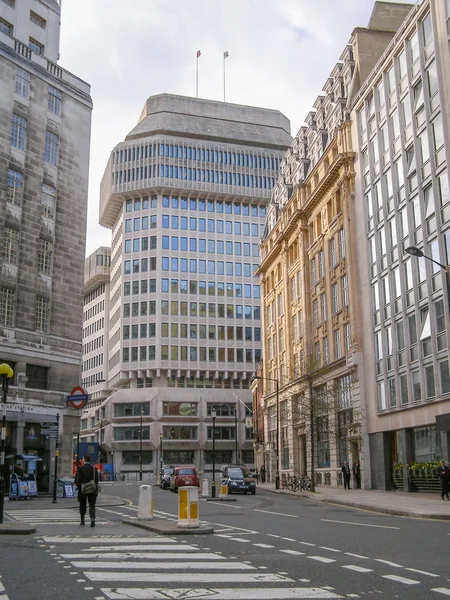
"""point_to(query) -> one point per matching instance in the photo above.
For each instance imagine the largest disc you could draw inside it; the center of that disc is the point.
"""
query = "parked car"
(238, 479)
(165, 475)
(184, 476)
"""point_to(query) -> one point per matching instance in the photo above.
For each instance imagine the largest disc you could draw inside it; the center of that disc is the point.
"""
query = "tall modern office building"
(44, 147)
(185, 196)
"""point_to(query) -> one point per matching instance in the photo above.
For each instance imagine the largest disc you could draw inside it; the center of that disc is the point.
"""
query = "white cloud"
(280, 54)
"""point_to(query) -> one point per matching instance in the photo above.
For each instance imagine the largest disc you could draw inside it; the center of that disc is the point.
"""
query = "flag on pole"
(199, 53)
(225, 54)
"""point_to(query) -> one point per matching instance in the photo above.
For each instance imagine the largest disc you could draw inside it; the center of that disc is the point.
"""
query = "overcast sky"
(280, 55)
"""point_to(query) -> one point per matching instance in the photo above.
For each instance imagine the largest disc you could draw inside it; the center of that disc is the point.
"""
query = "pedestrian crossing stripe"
(148, 555)
(219, 594)
(108, 539)
(48, 516)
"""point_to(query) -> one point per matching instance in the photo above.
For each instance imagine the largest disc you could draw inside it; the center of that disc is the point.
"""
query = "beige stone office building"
(44, 143)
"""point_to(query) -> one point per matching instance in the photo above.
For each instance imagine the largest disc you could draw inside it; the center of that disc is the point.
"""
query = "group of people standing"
(346, 475)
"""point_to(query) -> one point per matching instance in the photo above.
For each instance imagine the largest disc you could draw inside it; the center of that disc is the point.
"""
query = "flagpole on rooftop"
(196, 74)
(225, 56)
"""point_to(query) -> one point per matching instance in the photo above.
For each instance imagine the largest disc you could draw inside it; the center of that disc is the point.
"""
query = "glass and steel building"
(185, 196)
(401, 117)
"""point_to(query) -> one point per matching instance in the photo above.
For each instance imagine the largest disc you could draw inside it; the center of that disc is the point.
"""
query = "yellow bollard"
(223, 489)
(188, 507)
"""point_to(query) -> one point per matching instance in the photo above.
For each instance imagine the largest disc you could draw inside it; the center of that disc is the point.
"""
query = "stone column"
(404, 438)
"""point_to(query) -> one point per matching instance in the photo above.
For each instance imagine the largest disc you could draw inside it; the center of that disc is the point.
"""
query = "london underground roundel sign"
(78, 397)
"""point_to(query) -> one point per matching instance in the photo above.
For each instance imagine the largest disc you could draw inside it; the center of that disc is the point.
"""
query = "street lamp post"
(277, 453)
(54, 501)
(6, 373)
(213, 485)
(236, 432)
(161, 458)
(140, 447)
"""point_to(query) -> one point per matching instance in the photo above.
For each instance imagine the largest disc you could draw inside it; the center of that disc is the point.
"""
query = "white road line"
(322, 559)
(222, 593)
(388, 562)
(330, 549)
(167, 566)
(306, 544)
(2, 587)
(357, 568)
(59, 539)
(148, 555)
(401, 579)
(242, 540)
(273, 535)
(276, 513)
(294, 552)
(357, 555)
(289, 539)
(224, 535)
(188, 577)
(422, 572)
(264, 545)
(444, 591)
(359, 524)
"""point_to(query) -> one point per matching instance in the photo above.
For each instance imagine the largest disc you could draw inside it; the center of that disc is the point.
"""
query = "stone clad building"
(44, 145)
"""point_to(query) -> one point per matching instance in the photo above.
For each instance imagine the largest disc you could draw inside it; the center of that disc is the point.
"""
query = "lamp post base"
(213, 489)
(2, 498)
(277, 482)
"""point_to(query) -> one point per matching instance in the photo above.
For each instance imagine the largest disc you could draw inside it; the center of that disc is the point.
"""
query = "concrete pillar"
(404, 438)
(17, 441)
(445, 445)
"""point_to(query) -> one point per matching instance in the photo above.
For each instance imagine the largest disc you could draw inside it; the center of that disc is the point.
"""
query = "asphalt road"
(264, 546)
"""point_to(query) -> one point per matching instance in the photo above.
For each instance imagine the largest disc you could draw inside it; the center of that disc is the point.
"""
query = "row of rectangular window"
(318, 266)
(238, 311)
(336, 304)
(192, 353)
(8, 307)
(22, 89)
(191, 174)
(183, 330)
(185, 265)
(19, 138)
(191, 245)
(191, 224)
(35, 46)
(236, 290)
(241, 159)
(176, 433)
(199, 204)
(183, 286)
(14, 194)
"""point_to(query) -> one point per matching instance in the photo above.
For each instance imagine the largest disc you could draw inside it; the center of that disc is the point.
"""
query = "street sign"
(45, 424)
(78, 397)
(47, 431)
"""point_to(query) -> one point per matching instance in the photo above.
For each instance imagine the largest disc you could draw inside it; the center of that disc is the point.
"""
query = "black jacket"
(84, 474)
(444, 473)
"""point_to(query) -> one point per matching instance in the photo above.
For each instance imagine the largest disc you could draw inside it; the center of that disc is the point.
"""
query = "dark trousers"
(444, 488)
(91, 499)
(358, 481)
(346, 482)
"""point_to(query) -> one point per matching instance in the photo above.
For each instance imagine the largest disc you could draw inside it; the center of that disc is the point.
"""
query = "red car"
(184, 476)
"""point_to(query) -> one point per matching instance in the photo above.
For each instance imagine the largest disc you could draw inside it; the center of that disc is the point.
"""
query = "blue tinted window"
(164, 285)
(262, 211)
(165, 263)
(128, 225)
(193, 265)
(202, 266)
(246, 228)
(127, 246)
(239, 313)
(228, 208)
(211, 246)
(256, 291)
(254, 210)
(202, 245)
(201, 205)
(136, 245)
(144, 223)
(248, 312)
(174, 242)
(193, 204)
(184, 223)
(220, 267)
(228, 227)
(184, 203)
(219, 207)
(247, 291)
(219, 247)
(166, 202)
(255, 250)
(127, 266)
(238, 290)
(210, 205)
(254, 229)
(219, 226)
(237, 209)
(183, 265)
(193, 244)
(247, 270)
(211, 223)
(246, 249)
(202, 224)
(174, 222)
(174, 264)
(165, 242)
(137, 224)
(238, 269)
(245, 210)
(229, 247)
(237, 228)
(174, 202)
(165, 221)
(238, 248)
(193, 224)
(257, 313)
(229, 268)
(183, 243)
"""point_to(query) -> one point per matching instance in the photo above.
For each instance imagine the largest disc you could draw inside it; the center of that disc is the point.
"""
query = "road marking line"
(444, 591)
(276, 513)
(357, 555)
(388, 562)
(422, 572)
(2, 588)
(223, 593)
(330, 549)
(359, 524)
(294, 552)
(147, 555)
(108, 540)
(273, 535)
(195, 578)
(264, 545)
(357, 568)
(306, 544)
(242, 540)
(288, 539)
(322, 559)
(169, 566)
(170, 547)
(401, 579)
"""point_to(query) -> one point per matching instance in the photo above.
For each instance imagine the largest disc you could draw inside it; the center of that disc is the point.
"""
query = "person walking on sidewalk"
(86, 481)
(444, 476)
(357, 474)
(346, 475)
(262, 472)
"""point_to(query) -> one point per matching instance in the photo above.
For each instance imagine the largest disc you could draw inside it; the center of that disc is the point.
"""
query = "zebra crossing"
(157, 568)
(49, 516)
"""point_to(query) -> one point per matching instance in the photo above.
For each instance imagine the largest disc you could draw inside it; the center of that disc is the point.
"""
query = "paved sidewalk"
(425, 506)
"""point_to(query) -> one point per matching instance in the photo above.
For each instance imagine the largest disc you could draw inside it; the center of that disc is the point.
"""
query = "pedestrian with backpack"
(86, 481)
